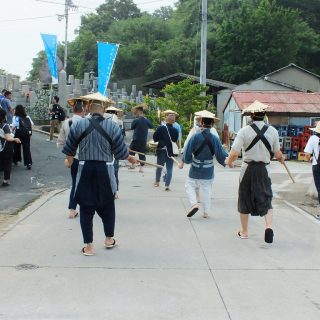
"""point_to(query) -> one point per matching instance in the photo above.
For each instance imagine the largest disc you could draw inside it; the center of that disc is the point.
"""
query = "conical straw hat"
(206, 114)
(166, 112)
(256, 106)
(317, 128)
(97, 96)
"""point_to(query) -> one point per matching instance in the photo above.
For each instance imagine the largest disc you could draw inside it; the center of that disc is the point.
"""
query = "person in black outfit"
(141, 125)
(6, 147)
(23, 130)
(165, 135)
(54, 112)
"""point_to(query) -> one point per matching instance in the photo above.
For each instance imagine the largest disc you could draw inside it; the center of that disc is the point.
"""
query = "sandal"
(242, 236)
(167, 189)
(268, 235)
(193, 210)
(110, 246)
(85, 253)
(156, 184)
(73, 216)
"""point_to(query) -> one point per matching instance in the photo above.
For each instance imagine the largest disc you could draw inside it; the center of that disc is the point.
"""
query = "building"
(289, 108)
(291, 78)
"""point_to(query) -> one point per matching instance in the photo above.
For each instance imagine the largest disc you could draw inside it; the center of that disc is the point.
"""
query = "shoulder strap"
(96, 124)
(207, 142)
(168, 133)
(70, 123)
(260, 136)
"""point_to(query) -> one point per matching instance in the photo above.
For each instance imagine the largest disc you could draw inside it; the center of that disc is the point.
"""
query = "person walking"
(260, 143)
(199, 152)
(22, 126)
(6, 147)
(140, 127)
(6, 105)
(78, 113)
(166, 135)
(99, 140)
(312, 150)
(56, 117)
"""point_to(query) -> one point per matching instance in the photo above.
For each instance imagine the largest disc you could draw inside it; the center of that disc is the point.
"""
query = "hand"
(281, 160)
(180, 165)
(132, 159)
(17, 140)
(229, 163)
(67, 163)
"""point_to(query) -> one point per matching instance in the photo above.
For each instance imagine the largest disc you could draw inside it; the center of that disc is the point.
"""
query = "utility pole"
(67, 6)
(203, 60)
(66, 15)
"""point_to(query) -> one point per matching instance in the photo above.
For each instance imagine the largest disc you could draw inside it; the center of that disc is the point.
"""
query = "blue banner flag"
(50, 44)
(107, 53)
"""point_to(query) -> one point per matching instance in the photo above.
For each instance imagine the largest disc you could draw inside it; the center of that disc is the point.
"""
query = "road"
(166, 267)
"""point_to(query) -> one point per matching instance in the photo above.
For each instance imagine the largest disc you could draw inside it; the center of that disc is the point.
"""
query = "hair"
(95, 106)
(3, 115)
(20, 111)
(111, 111)
(56, 98)
(258, 116)
(78, 107)
(3, 91)
(7, 93)
(207, 122)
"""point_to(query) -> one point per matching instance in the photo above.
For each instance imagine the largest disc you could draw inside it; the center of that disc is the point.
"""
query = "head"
(258, 116)
(111, 111)
(138, 112)
(198, 120)
(96, 107)
(7, 94)
(78, 108)
(170, 118)
(20, 111)
(207, 122)
(55, 99)
(3, 115)
(3, 91)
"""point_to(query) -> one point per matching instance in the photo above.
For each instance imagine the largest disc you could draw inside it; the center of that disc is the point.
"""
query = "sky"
(21, 39)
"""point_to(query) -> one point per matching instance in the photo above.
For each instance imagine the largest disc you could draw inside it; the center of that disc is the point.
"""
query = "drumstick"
(288, 171)
(150, 164)
(142, 154)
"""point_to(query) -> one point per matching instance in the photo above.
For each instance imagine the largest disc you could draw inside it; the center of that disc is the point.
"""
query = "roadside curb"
(32, 208)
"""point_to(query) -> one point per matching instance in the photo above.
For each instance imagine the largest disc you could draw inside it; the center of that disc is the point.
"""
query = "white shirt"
(259, 152)
(312, 148)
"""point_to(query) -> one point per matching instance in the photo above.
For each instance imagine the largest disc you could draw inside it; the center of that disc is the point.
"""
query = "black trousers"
(316, 177)
(107, 215)
(140, 147)
(25, 143)
(6, 160)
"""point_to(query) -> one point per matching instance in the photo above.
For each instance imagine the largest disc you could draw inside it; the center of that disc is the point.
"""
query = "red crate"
(305, 137)
(295, 143)
(306, 129)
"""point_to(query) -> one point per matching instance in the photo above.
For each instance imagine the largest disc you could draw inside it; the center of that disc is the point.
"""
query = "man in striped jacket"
(99, 139)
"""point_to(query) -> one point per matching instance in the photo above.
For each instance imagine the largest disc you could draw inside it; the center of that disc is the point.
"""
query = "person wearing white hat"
(260, 143)
(199, 152)
(312, 150)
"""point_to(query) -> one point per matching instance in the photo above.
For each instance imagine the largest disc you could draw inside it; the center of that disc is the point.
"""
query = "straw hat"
(97, 96)
(111, 108)
(167, 112)
(144, 106)
(72, 102)
(317, 128)
(256, 106)
(206, 114)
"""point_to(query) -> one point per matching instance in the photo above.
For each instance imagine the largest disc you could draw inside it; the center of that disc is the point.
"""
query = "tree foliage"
(246, 39)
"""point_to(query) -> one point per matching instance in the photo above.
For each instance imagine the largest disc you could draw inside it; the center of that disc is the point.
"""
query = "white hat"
(256, 106)
(317, 128)
(206, 114)
(167, 112)
(111, 108)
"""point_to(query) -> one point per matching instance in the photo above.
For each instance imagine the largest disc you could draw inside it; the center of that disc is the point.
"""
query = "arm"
(71, 145)
(10, 138)
(63, 134)
(233, 156)
(235, 150)
(187, 154)
(134, 124)
(309, 150)
(157, 134)
(219, 152)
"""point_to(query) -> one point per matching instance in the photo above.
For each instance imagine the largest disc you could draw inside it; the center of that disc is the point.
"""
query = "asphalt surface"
(48, 173)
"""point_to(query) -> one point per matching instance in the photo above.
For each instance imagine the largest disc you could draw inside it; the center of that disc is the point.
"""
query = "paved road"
(166, 266)
(48, 173)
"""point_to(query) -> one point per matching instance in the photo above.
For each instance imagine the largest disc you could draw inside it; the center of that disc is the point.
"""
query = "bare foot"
(156, 184)
(205, 215)
(116, 196)
(88, 250)
(141, 170)
(109, 242)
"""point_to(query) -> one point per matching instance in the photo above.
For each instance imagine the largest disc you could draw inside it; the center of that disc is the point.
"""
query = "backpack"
(61, 114)
(25, 127)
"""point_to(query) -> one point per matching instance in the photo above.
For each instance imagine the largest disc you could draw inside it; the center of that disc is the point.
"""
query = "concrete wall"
(298, 78)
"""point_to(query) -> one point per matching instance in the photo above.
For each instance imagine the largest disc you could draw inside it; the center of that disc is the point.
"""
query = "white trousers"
(194, 186)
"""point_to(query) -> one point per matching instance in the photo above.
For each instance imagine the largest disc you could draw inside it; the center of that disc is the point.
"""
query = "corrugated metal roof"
(279, 101)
